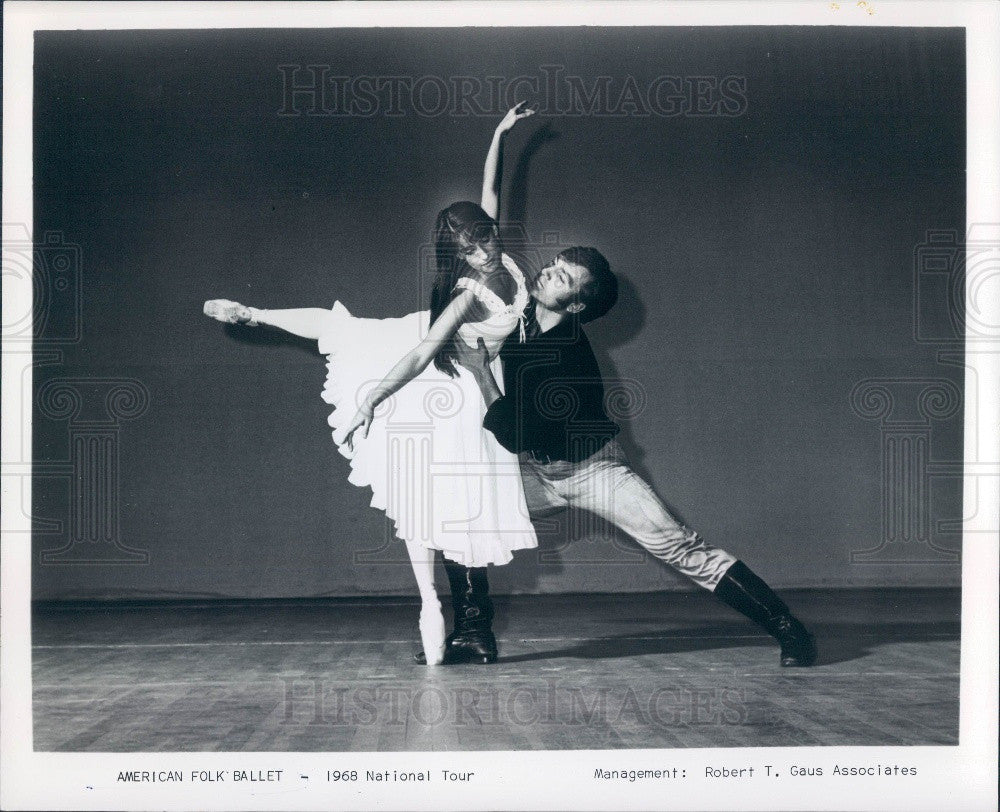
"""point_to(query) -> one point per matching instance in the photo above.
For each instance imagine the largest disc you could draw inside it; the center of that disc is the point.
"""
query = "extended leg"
(306, 322)
(741, 589)
(612, 490)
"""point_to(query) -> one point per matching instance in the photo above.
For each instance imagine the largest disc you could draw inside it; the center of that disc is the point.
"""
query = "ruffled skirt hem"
(441, 479)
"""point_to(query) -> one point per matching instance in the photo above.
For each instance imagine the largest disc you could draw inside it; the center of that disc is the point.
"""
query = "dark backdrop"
(767, 251)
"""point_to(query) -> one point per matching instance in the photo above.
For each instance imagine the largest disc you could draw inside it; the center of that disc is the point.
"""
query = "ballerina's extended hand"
(362, 419)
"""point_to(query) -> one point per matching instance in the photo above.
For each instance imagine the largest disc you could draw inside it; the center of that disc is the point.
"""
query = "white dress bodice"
(503, 319)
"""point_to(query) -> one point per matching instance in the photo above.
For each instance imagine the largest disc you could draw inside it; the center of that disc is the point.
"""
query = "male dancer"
(569, 458)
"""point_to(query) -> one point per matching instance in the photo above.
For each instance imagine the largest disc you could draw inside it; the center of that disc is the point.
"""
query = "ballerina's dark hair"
(462, 219)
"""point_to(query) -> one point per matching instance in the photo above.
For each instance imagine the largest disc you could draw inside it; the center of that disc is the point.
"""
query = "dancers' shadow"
(267, 337)
(619, 328)
(837, 642)
(518, 198)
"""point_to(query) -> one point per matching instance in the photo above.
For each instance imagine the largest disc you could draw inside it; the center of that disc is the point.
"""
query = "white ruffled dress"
(440, 477)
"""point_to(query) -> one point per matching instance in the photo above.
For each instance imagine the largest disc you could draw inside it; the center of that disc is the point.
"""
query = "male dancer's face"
(557, 286)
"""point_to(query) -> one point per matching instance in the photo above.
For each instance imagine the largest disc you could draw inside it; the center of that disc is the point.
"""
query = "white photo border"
(953, 777)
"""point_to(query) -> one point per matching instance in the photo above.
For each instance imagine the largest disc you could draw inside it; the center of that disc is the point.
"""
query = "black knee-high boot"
(749, 595)
(472, 639)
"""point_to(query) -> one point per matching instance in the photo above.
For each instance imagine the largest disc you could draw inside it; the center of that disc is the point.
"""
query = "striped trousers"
(604, 484)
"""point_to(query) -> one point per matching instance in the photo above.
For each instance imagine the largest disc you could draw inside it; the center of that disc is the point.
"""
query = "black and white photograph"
(487, 406)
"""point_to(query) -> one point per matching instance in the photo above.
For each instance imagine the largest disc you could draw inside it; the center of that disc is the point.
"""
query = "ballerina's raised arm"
(492, 170)
(463, 307)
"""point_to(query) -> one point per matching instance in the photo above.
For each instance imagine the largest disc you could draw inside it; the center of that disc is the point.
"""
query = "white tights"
(306, 322)
(422, 561)
(431, 619)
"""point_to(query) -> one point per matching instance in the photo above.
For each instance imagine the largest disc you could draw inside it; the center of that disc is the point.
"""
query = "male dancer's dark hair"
(600, 292)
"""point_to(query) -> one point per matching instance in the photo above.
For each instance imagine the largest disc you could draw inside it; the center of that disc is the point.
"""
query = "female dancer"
(445, 482)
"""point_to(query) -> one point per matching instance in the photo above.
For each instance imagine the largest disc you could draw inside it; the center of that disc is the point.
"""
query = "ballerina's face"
(482, 255)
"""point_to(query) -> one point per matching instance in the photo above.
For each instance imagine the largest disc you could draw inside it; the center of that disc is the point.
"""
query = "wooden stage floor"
(576, 672)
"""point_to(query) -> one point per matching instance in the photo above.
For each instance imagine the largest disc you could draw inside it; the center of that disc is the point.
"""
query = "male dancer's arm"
(530, 416)
(501, 416)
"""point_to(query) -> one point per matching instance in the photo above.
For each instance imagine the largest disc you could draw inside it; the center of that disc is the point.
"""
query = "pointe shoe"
(469, 647)
(229, 312)
(432, 632)
(472, 641)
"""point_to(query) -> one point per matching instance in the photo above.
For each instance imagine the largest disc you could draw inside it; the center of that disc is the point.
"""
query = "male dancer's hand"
(477, 362)
(473, 359)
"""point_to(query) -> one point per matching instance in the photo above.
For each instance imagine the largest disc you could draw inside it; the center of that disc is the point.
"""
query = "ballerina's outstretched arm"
(306, 322)
(414, 362)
